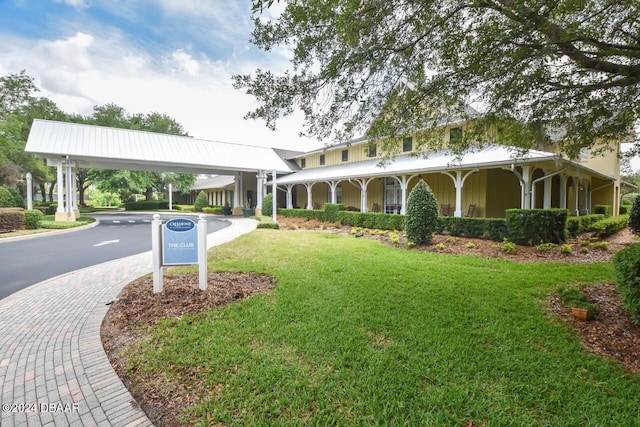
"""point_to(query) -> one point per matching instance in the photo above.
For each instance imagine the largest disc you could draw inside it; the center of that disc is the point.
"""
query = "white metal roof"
(491, 156)
(220, 181)
(112, 148)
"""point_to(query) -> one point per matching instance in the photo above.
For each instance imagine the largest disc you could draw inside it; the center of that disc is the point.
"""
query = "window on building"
(372, 150)
(345, 155)
(407, 144)
(322, 159)
(455, 135)
(303, 163)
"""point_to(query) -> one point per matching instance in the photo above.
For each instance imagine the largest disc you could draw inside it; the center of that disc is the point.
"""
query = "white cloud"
(73, 3)
(184, 63)
(88, 69)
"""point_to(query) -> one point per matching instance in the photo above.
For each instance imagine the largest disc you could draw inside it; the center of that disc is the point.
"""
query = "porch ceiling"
(112, 148)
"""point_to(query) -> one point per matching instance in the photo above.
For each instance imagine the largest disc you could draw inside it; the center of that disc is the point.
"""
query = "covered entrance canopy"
(70, 145)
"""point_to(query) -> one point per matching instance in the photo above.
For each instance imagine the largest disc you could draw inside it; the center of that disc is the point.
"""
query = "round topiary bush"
(32, 219)
(634, 216)
(267, 205)
(422, 214)
(201, 201)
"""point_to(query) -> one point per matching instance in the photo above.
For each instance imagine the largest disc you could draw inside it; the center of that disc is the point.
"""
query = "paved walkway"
(53, 369)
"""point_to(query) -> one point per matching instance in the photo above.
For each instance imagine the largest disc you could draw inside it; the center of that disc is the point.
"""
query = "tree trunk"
(148, 194)
(53, 184)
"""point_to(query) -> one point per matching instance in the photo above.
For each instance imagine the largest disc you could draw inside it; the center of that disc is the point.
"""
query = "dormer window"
(322, 159)
(455, 135)
(372, 150)
(303, 163)
(345, 155)
(407, 144)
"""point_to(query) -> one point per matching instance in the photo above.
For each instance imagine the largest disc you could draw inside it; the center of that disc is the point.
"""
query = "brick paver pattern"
(53, 368)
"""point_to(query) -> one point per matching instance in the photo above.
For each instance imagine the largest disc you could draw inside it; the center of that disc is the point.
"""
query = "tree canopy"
(19, 105)
(125, 182)
(564, 72)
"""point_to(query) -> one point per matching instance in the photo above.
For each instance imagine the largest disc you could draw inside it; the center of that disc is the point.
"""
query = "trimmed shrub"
(332, 209)
(486, 228)
(201, 201)
(267, 205)
(377, 220)
(534, 226)
(626, 267)
(32, 219)
(624, 209)
(609, 226)
(421, 221)
(268, 225)
(215, 210)
(146, 205)
(6, 198)
(303, 213)
(18, 200)
(51, 210)
(577, 225)
(634, 216)
(11, 219)
(603, 210)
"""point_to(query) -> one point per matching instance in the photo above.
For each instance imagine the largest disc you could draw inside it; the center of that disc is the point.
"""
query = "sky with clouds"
(169, 56)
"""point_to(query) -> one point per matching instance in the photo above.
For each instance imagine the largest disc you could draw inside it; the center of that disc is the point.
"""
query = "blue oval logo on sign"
(180, 224)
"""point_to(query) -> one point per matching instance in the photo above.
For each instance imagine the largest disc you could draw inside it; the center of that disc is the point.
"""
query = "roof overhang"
(112, 148)
(494, 156)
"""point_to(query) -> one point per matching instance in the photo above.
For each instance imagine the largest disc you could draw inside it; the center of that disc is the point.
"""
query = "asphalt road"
(26, 262)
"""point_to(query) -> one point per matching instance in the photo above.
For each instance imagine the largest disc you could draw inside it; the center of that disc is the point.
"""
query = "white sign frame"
(197, 235)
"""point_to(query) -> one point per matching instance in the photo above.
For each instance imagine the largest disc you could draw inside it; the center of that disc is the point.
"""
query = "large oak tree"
(563, 72)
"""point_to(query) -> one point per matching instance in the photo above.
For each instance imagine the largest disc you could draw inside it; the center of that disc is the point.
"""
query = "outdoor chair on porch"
(471, 211)
(375, 208)
(445, 210)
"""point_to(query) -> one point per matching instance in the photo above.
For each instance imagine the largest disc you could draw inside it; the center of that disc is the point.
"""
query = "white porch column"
(333, 186)
(238, 202)
(563, 191)
(60, 184)
(260, 187)
(458, 182)
(170, 191)
(546, 203)
(289, 188)
(309, 186)
(364, 183)
(69, 191)
(576, 196)
(587, 197)
(29, 191)
(274, 189)
(404, 186)
(74, 193)
(525, 185)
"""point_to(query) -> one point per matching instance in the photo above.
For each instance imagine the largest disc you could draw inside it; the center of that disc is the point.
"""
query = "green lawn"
(359, 333)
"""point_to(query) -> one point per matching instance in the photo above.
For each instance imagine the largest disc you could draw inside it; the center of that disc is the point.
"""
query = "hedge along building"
(69, 146)
(483, 182)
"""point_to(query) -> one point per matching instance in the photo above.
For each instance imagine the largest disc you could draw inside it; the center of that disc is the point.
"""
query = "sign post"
(179, 241)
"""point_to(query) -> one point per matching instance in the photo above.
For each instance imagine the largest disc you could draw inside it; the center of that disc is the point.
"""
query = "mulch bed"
(136, 309)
